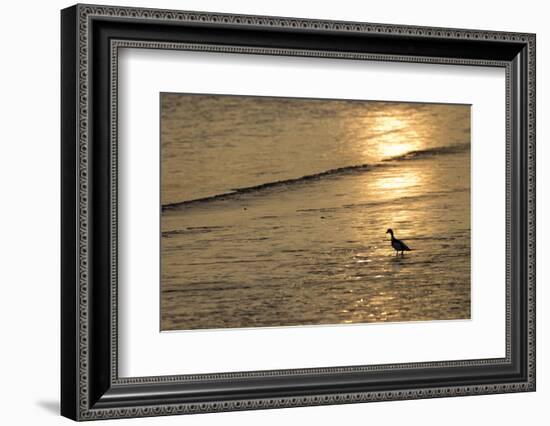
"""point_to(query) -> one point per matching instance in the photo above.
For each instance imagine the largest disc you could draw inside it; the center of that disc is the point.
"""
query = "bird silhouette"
(398, 245)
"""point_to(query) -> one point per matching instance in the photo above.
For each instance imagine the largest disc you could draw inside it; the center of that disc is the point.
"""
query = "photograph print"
(300, 212)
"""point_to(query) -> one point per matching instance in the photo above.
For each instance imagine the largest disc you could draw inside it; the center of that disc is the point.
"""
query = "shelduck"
(398, 245)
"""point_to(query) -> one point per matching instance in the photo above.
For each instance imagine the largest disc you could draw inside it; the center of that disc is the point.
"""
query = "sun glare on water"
(395, 136)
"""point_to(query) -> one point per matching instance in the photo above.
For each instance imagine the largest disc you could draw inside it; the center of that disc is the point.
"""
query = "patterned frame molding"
(80, 400)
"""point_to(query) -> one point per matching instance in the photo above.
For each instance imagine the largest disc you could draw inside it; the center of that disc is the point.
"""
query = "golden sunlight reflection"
(395, 149)
(409, 183)
(397, 134)
(394, 185)
(401, 184)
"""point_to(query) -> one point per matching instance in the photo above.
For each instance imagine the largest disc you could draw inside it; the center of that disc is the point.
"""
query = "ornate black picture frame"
(91, 36)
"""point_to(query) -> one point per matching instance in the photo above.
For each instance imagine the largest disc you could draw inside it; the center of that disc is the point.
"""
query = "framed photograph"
(263, 212)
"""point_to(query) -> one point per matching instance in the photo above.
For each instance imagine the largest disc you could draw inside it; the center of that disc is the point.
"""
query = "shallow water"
(313, 251)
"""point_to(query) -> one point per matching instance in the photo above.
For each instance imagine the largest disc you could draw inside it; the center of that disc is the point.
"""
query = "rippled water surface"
(267, 221)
